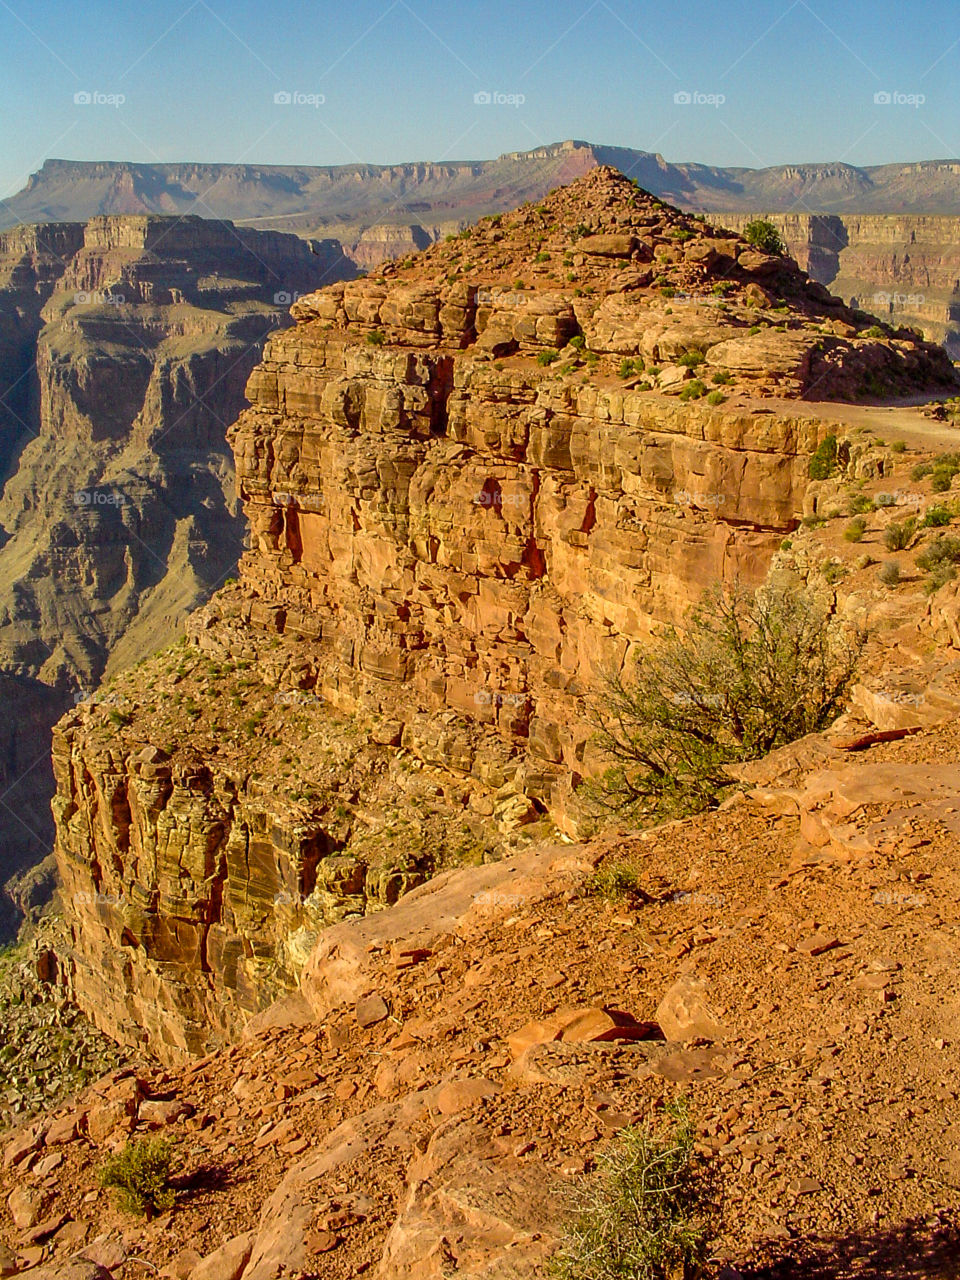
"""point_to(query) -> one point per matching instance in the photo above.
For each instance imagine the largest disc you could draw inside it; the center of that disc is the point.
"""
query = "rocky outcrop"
(903, 268)
(463, 510)
(125, 345)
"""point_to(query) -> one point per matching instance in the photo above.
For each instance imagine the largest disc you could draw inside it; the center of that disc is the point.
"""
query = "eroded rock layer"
(473, 485)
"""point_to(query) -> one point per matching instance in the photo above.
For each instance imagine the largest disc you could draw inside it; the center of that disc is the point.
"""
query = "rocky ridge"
(473, 483)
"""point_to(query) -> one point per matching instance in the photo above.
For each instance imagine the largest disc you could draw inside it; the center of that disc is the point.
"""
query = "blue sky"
(397, 79)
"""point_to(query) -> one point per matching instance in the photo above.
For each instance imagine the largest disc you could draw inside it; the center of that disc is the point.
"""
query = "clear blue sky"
(399, 77)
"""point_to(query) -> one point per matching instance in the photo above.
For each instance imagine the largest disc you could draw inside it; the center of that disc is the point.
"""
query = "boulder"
(684, 1014)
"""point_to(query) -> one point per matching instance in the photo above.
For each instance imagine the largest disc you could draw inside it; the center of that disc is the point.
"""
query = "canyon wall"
(125, 345)
(463, 510)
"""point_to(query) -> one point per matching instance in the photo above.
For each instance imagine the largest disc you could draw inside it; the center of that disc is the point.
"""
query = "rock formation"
(473, 484)
(125, 345)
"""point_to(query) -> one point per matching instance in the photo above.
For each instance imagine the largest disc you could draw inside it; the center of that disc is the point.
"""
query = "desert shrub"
(823, 463)
(944, 549)
(375, 338)
(578, 341)
(547, 357)
(716, 397)
(941, 479)
(899, 446)
(833, 570)
(630, 368)
(693, 390)
(874, 332)
(762, 234)
(786, 544)
(889, 573)
(668, 291)
(753, 330)
(921, 470)
(936, 517)
(855, 530)
(542, 257)
(690, 359)
(858, 503)
(897, 536)
(721, 377)
(747, 673)
(643, 1215)
(141, 1175)
(615, 880)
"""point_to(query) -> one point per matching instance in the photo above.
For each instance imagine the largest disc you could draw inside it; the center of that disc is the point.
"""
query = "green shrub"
(855, 530)
(643, 1215)
(376, 338)
(786, 544)
(747, 674)
(690, 359)
(874, 332)
(824, 460)
(943, 550)
(753, 330)
(721, 377)
(141, 1175)
(615, 880)
(716, 397)
(693, 390)
(897, 536)
(542, 257)
(858, 503)
(668, 291)
(547, 357)
(941, 479)
(762, 234)
(899, 446)
(578, 341)
(631, 368)
(889, 573)
(936, 517)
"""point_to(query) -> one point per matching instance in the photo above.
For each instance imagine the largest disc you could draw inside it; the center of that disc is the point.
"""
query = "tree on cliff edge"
(748, 673)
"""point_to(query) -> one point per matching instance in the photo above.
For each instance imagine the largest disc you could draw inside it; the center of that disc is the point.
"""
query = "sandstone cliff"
(463, 508)
(124, 348)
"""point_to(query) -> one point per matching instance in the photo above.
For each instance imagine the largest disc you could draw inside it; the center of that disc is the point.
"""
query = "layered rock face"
(474, 484)
(126, 346)
(904, 269)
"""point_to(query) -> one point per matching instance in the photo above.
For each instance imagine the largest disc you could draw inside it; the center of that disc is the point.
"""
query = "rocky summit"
(324, 870)
(473, 484)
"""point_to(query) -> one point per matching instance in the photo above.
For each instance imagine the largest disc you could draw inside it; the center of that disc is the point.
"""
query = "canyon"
(125, 344)
(474, 483)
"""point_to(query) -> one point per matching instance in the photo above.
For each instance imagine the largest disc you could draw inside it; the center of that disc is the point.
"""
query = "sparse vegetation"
(721, 377)
(762, 234)
(643, 1215)
(855, 530)
(631, 368)
(716, 397)
(889, 573)
(690, 359)
(897, 536)
(748, 673)
(936, 517)
(693, 390)
(141, 1175)
(376, 338)
(939, 561)
(547, 357)
(824, 461)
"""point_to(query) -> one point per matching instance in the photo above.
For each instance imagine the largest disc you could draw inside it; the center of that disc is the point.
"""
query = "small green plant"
(753, 330)
(578, 341)
(941, 479)
(858, 504)
(615, 880)
(889, 573)
(921, 470)
(141, 1175)
(762, 234)
(518, 284)
(833, 571)
(936, 517)
(873, 332)
(855, 530)
(631, 368)
(690, 359)
(547, 357)
(786, 544)
(899, 446)
(721, 377)
(119, 718)
(716, 397)
(668, 291)
(824, 460)
(376, 338)
(643, 1215)
(693, 390)
(897, 536)
(542, 257)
